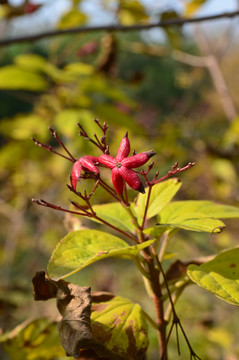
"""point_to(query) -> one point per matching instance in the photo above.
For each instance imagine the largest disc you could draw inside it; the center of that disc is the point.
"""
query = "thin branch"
(216, 73)
(193, 60)
(146, 206)
(55, 135)
(117, 27)
(176, 320)
(49, 148)
(173, 171)
(42, 202)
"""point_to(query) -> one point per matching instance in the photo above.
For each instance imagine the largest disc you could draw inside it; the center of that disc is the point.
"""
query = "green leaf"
(121, 327)
(36, 63)
(79, 69)
(219, 276)
(210, 225)
(72, 18)
(161, 195)
(193, 6)
(66, 122)
(179, 211)
(131, 12)
(98, 84)
(31, 62)
(174, 32)
(38, 339)
(14, 78)
(195, 215)
(24, 126)
(81, 248)
(115, 214)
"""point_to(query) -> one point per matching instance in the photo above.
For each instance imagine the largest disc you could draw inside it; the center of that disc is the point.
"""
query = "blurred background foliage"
(174, 91)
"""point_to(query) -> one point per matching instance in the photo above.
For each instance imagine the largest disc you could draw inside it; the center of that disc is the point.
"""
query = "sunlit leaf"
(38, 339)
(161, 195)
(98, 84)
(131, 12)
(31, 62)
(79, 68)
(72, 18)
(24, 127)
(219, 276)
(192, 6)
(66, 122)
(81, 248)
(15, 78)
(115, 214)
(121, 327)
(205, 224)
(174, 33)
(178, 211)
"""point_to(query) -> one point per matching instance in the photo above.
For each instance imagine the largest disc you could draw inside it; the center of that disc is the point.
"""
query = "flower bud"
(117, 181)
(131, 178)
(124, 148)
(138, 159)
(76, 172)
(107, 160)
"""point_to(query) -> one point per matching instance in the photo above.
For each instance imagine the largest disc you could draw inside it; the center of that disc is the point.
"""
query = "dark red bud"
(124, 148)
(76, 172)
(117, 181)
(150, 153)
(137, 160)
(131, 178)
(107, 160)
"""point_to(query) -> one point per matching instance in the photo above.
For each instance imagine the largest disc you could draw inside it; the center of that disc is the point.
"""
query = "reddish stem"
(173, 171)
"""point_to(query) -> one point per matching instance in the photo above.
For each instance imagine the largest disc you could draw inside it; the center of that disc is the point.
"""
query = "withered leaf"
(43, 287)
(74, 304)
(99, 335)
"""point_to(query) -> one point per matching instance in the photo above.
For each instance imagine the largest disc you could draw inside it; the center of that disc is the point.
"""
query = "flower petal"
(131, 178)
(117, 181)
(88, 163)
(107, 160)
(124, 148)
(138, 159)
(76, 172)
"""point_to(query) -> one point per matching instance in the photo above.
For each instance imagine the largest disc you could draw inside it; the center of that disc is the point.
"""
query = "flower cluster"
(121, 167)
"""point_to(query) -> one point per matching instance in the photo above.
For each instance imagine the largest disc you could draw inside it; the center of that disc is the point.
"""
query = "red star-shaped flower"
(85, 163)
(121, 166)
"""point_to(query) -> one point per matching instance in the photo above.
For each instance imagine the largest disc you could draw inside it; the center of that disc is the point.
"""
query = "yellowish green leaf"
(115, 214)
(15, 78)
(33, 340)
(131, 12)
(161, 195)
(79, 68)
(81, 248)
(72, 18)
(193, 6)
(31, 62)
(121, 327)
(24, 127)
(219, 276)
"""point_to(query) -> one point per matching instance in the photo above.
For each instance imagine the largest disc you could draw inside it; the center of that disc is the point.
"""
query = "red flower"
(121, 166)
(85, 163)
(30, 8)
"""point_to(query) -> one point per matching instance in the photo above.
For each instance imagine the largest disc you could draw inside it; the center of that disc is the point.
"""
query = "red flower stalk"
(121, 166)
(84, 163)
